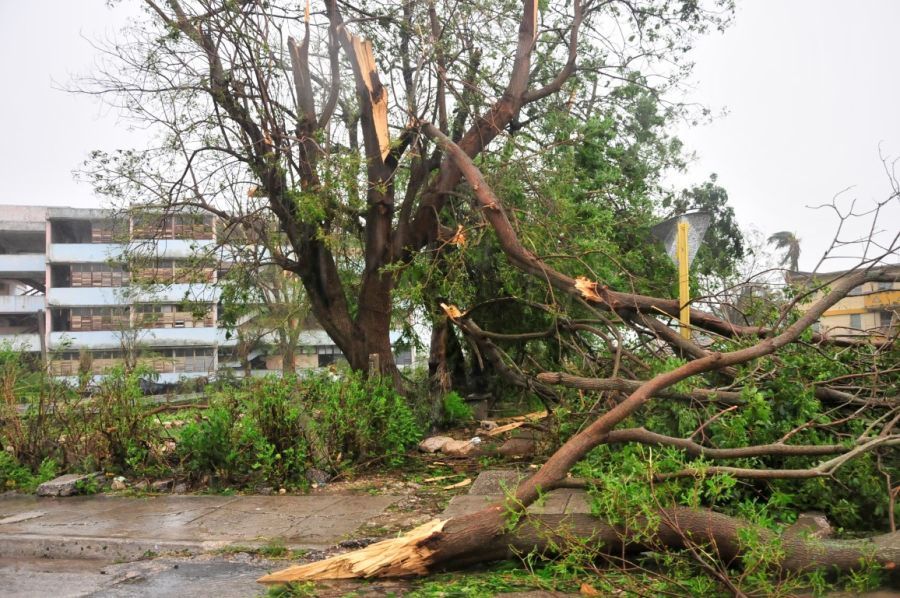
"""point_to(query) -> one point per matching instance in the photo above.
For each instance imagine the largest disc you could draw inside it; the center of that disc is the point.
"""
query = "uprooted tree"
(259, 129)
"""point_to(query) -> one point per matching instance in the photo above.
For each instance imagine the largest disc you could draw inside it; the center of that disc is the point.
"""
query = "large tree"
(268, 110)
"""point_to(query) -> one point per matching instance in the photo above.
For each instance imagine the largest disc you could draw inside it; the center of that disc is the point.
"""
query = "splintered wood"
(397, 557)
(452, 311)
(517, 422)
(459, 238)
(587, 288)
(377, 93)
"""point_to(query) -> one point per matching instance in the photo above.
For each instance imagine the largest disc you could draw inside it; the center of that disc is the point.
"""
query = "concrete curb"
(95, 548)
(111, 549)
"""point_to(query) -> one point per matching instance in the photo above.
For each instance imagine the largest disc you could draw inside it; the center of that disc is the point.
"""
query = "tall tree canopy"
(388, 140)
(312, 119)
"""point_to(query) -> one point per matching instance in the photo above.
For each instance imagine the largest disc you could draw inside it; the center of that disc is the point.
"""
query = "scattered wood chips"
(461, 484)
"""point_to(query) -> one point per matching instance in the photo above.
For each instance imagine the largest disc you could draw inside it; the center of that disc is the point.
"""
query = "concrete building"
(66, 294)
(870, 309)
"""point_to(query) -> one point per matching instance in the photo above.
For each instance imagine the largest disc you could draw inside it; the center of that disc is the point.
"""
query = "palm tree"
(790, 244)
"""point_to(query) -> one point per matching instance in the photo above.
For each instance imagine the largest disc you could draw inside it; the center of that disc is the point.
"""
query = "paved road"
(61, 578)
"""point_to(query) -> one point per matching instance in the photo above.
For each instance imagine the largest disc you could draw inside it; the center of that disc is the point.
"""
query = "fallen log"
(437, 544)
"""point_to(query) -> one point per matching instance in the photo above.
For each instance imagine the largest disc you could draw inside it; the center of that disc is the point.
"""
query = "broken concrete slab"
(518, 447)
(460, 448)
(65, 485)
(434, 444)
(497, 481)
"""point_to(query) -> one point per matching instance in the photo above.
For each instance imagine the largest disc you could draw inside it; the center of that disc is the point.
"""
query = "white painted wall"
(98, 296)
(22, 342)
(88, 253)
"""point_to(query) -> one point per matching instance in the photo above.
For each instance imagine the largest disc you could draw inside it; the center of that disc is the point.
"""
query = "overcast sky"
(810, 89)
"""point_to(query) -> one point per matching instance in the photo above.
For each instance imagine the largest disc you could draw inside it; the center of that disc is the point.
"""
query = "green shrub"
(273, 430)
(15, 476)
(455, 409)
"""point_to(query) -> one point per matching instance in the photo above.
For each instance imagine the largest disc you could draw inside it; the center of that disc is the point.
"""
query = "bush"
(273, 430)
(259, 432)
(455, 409)
(15, 476)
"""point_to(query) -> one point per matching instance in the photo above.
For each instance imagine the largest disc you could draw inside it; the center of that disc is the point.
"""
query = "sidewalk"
(127, 528)
(90, 545)
(120, 528)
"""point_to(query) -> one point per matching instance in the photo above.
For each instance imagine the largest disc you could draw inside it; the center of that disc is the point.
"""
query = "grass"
(292, 590)
(274, 549)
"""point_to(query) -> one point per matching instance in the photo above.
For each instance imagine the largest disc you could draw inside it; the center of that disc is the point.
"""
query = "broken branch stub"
(452, 311)
(368, 75)
(587, 288)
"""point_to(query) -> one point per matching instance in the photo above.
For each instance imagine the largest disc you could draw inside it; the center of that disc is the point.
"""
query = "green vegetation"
(263, 432)
(271, 431)
(455, 409)
(293, 590)
(559, 292)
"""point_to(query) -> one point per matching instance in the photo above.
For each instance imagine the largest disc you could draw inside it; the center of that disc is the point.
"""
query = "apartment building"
(66, 294)
(869, 310)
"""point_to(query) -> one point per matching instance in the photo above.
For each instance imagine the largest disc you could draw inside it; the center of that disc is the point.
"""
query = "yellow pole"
(684, 292)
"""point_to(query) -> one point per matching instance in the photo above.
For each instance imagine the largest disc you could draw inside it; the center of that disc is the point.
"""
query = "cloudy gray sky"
(810, 90)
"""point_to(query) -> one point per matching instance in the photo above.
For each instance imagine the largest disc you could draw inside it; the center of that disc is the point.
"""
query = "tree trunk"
(477, 538)
(439, 381)
(288, 360)
(373, 327)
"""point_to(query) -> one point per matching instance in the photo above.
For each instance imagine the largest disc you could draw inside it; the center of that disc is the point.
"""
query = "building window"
(856, 321)
(885, 286)
(885, 318)
(328, 355)
(856, 291)
(403, 357)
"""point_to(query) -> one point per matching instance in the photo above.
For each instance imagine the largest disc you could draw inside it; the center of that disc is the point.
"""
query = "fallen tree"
(244, 141)
(416, 552)
(504, 528)
(480, 536)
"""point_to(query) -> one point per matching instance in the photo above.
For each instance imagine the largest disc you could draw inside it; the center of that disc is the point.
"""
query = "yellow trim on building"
(883, 299)
(845, 312)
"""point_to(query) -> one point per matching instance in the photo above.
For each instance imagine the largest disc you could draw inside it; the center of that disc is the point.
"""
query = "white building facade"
(66, 294)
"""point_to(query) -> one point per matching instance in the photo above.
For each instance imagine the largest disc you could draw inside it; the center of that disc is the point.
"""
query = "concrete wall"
(23, 217)
(22, 342)
(164, 378)
(18, 264)
(87, 253)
